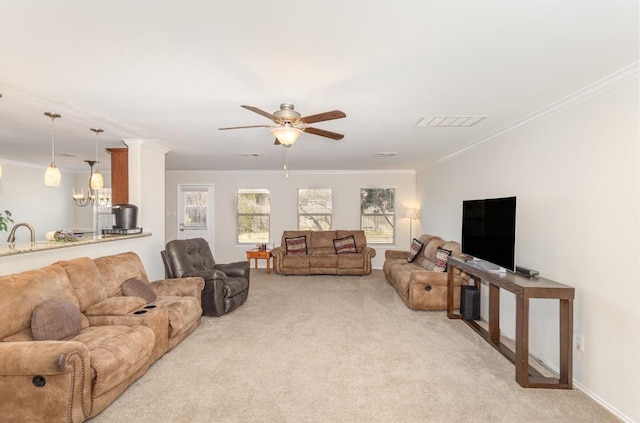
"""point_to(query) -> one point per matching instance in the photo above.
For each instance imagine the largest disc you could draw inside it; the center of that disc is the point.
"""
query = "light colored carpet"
(338, 349)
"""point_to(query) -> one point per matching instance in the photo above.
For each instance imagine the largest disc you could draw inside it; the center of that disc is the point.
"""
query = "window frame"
(370, 239)
(330, 214)
(239, 215)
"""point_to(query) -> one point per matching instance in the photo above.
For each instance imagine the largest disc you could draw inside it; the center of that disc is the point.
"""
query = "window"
(254, 208)
(377, 214)
(314, 209)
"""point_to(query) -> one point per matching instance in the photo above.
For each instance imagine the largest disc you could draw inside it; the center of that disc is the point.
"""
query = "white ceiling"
(172, 72)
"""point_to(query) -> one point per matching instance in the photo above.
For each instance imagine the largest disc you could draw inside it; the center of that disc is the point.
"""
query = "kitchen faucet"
(12, 234)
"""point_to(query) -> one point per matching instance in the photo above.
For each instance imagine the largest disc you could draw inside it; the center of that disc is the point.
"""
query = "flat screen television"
(489, 231)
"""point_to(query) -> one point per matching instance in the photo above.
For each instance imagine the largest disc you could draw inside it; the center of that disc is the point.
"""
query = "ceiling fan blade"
(320, 117)
(260, 112)
(323, 133)
(242, 127)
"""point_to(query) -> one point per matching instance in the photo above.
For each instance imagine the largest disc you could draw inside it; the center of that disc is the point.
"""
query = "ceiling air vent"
(249, 154)
(386, 154)
(448, 121)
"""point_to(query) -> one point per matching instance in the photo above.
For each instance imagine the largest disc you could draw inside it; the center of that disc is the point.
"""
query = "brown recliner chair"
(226, 285)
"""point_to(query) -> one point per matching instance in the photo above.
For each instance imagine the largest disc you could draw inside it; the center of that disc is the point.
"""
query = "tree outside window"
(314, 209)
(377, 214)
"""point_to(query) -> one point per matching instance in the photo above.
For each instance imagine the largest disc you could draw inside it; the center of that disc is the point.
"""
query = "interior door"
(195, 212)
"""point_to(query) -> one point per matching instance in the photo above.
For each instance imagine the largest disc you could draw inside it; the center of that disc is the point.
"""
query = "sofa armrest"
(63, 366)
(115, 306)
(41, 357)
(179, 287)
(395, 254)
(369, 252)
(238, 269)
(278, 252)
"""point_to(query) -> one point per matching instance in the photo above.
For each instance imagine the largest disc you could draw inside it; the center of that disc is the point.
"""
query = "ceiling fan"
(290, 124)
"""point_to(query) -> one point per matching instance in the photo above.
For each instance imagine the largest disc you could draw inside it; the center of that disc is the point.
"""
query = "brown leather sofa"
(321, 257)
(419, 286)
(226, 285)
(104, 342)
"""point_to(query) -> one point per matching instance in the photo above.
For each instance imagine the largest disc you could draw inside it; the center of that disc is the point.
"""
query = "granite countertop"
(32, 247)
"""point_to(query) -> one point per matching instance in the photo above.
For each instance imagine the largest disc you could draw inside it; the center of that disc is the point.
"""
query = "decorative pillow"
(136, 288)
(55, 320)
(297, 245)
(416, 247)
(441, 260)
(345, 245)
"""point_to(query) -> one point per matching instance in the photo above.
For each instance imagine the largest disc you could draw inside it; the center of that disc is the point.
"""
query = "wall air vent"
(448, 121)
(386, 154)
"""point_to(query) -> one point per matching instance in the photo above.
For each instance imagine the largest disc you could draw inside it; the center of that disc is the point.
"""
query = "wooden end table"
(260, 254)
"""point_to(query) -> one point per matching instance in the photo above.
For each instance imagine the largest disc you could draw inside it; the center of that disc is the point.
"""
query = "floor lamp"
(411, 214)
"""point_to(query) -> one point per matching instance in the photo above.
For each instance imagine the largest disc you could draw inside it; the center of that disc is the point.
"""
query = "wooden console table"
(523, 288)
(256, 254)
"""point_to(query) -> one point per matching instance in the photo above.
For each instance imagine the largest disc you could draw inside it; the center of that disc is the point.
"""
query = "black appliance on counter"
(126, 220)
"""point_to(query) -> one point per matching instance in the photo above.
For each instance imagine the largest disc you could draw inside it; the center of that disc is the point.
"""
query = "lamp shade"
(96, 181)
(52, 176)
(411, 213)
(286, 135)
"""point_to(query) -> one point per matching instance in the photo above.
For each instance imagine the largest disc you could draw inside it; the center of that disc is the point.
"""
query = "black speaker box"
(469, 302)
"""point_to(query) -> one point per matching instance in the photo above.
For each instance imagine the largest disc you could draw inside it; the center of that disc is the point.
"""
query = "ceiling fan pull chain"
(286, 162)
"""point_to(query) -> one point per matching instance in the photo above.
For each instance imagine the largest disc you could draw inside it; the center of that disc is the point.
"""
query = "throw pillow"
(55, 320)
(442, 255)
(297, 245)
(345, 245)
(137, 288)
(416, 247)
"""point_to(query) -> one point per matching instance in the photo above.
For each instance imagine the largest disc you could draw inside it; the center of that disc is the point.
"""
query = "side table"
(260, 254)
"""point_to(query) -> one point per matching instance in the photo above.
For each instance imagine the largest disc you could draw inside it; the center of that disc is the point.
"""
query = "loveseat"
(340, 252)
(422, 283)
(71, 342)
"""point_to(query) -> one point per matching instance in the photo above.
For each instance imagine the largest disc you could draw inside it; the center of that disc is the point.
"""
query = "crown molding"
(602, 86)
(301, 172)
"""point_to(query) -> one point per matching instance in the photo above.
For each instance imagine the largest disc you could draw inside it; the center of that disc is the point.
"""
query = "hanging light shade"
(52, 176)
(286, 134)
(96, 181)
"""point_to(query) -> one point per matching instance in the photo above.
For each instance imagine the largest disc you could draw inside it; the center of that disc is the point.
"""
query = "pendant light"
(96, 181)
(52, 176)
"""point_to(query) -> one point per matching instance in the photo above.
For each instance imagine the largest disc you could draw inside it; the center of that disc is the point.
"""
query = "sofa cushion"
(345, 245)
(416, 247)
(86, 279)
(182, 312)
(117, 352)
(296, 246)
(136, 288)
(55, 319)
(442, 256)
(117, 268)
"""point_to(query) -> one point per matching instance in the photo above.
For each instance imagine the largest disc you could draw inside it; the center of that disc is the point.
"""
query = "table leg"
(255, 261)
(522, 341)
(566, 342)
(494, 313)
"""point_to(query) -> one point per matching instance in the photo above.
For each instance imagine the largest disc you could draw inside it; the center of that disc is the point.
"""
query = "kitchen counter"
(34, 247)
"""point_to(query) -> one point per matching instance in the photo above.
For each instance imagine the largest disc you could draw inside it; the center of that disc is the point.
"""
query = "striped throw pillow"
(416, 247)
(297, 245)
(345, 245)
(441, 260)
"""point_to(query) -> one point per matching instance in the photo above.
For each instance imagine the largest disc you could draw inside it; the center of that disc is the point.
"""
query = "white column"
(147, 191)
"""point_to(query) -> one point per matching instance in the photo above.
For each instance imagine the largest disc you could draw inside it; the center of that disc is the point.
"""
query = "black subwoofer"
(470, 302)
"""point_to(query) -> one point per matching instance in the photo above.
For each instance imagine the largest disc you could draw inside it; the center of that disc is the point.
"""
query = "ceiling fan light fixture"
(286, 134)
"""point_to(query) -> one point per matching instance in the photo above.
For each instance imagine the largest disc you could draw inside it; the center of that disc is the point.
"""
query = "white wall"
(576, 177)
(284, 195)
(24, 194)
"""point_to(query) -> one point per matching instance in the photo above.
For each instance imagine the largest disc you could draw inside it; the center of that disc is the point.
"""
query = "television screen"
(489, 230)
